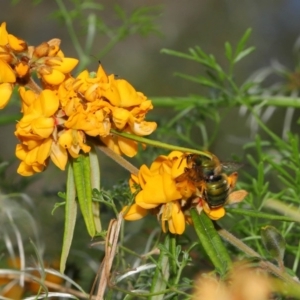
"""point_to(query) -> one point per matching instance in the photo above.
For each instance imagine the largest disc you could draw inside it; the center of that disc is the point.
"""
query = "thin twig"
(34, 86)
(249, 251)
(119, 159)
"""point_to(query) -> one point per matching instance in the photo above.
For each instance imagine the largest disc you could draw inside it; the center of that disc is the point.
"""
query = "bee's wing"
(231, 166)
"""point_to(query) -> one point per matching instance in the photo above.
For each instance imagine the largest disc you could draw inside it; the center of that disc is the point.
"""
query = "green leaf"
(228, 51)
(82, 176)
(200, 79)
(241, 44)
(244, 53)
(178, 54)
(70, 218)
(95, 182)
(258, 214)
(211, 241)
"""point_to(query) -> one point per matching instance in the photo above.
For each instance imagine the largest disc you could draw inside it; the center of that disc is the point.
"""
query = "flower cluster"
(59, 118)
(164, 191)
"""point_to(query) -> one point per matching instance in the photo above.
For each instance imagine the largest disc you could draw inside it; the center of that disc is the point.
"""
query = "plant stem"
(160, 144)
(279, 101)
(249, 251)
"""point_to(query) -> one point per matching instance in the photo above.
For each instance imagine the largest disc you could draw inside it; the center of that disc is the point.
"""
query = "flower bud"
(41, 50)
(273, 242)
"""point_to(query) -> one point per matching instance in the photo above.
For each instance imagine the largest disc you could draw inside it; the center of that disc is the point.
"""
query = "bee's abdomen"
(217, 190)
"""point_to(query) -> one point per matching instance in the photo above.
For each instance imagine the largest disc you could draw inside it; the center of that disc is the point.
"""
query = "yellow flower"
(73, 141)
(10, 40)
(34, 159)
(35, 130)
(51, 65)
(39, 118)
(171, 198)
(172, 216)
(158, 192)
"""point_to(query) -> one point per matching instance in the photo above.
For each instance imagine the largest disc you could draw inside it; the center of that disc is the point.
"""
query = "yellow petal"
(144, 175)
(25, 170)
(3, 34)
(128, 147)
(177, 222)
(120, 117)
(112, 143)
(27, 96)
(139, 199)
(133, 183)
(143, 128)
(55, 78)
(59, 156)
(66, 65)
(178, 167)
(20, 152)
(215, 214)
(66, 139)
(153, 193)
(5, 93)
(37, 168)
(49, 103)
(128, 95)
(135, 212)
(169, 187)
(156, 166)
(101, 74)
(6, 73)
(43, 126)
(44, 151)
(16, 44)
(111, 93)
(31, 156)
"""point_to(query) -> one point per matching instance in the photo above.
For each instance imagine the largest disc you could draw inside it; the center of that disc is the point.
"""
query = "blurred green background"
(183, 24)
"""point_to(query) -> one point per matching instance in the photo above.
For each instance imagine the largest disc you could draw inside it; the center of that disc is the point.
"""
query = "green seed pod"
(274, 242)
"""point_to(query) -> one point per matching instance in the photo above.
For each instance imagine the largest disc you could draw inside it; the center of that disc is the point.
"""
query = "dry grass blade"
(110, 252)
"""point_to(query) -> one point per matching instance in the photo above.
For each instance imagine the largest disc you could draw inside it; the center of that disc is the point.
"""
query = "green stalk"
(162, 272)
(158, 143)
(279, 101)
(211, 241)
